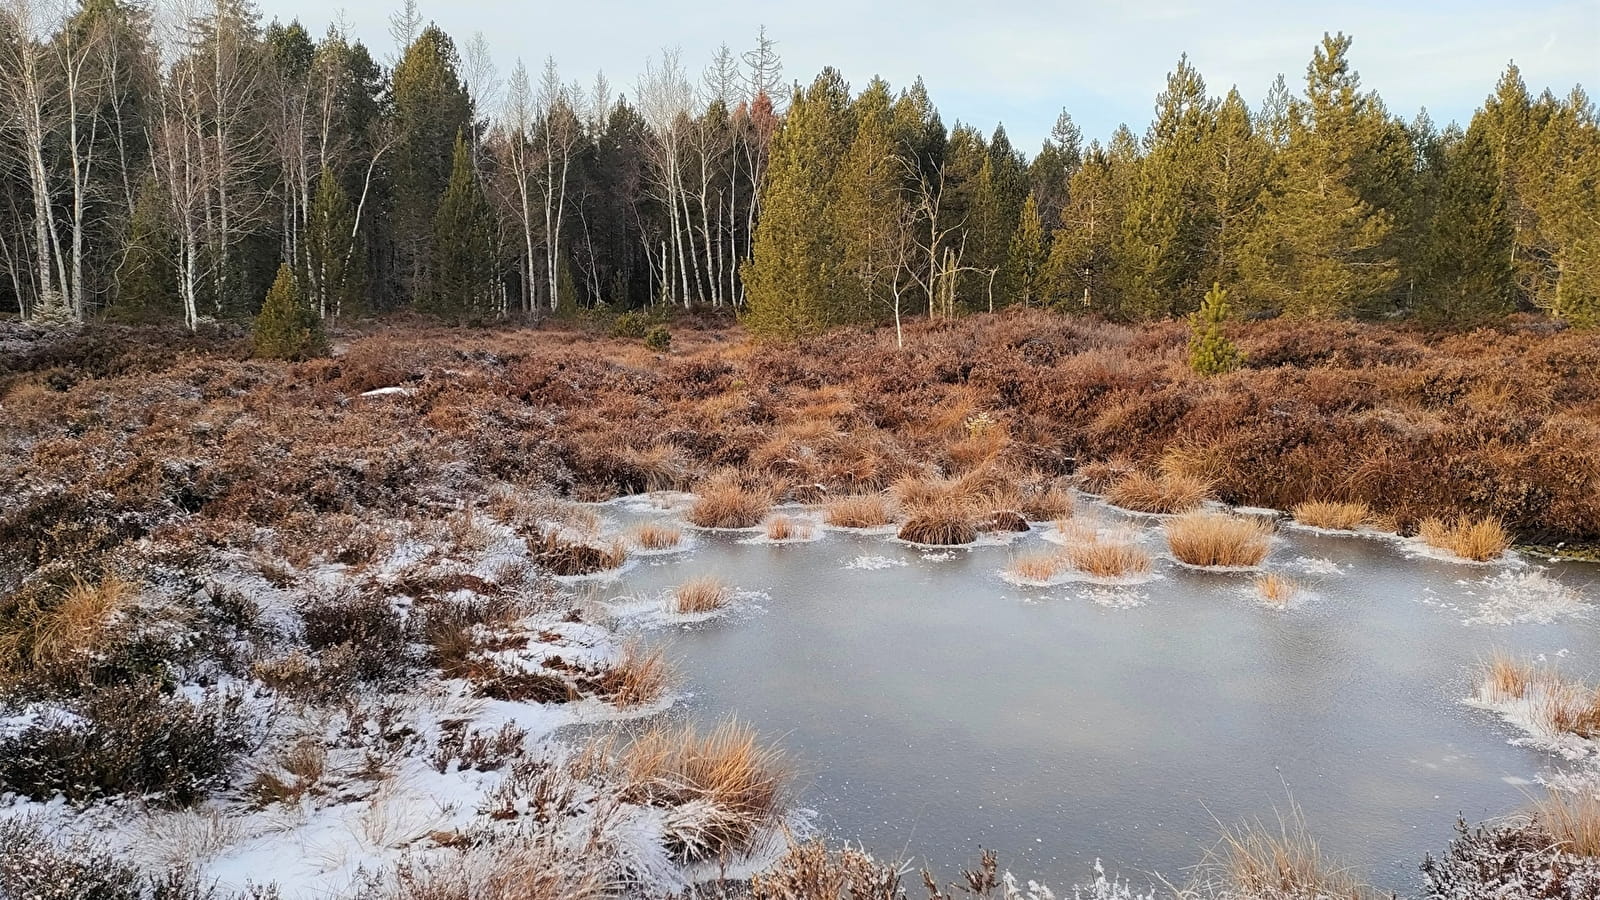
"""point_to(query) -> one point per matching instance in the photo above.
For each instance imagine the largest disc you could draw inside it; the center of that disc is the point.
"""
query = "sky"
(1021, 63)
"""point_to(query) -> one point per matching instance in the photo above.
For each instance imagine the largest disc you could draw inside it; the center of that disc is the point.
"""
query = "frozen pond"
(932, 707)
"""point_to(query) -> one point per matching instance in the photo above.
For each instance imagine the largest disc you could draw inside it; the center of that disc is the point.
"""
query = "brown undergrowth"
(1501, 424)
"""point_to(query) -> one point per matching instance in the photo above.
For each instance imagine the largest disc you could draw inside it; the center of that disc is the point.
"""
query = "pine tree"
(867, 205)
(1319, 248)
(1237, 157)
(793, 280)
(286, 327)
(1465, 275)
(1081, 273)
(1161, 246)
(464, 261)
(1210, 351)
(1025, 265)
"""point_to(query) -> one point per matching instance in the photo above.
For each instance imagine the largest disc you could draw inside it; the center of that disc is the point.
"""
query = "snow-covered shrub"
(35, 867)
(132, 740)
(1514, 860)
(363, 624)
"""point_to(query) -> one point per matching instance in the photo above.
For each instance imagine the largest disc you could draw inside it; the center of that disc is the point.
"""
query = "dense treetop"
(150, 176)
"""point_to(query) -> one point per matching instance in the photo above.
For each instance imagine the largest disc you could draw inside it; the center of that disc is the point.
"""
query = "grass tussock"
(1282, 863)
(788, 528)
(656, 536)
(940, 523)
(1333, 515)
(1219, 540)
(1164, 494)
(702, 594)
(52, 634)
(738, 781)
(1038, 566)
(722, 501)
(1572, 819)
(859, 511)
(1276, 590)
(637, 677)
(1045, 502)
(1479, 540)
(1557, 705)
(1116, 556)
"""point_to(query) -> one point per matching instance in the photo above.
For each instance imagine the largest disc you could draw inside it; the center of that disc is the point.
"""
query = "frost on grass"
(1527, 598)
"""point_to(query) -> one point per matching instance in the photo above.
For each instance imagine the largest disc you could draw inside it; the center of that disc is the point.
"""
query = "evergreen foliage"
(463, 246)
(286, 327)
(1210, 351)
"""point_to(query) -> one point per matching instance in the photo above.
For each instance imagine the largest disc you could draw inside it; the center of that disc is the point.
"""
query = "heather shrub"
(127, 740)
(364, 627)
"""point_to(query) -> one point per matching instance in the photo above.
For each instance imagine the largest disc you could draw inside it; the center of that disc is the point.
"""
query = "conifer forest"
(430, 475)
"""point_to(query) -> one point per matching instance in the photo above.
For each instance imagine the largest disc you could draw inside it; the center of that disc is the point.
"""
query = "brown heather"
(1500, 423)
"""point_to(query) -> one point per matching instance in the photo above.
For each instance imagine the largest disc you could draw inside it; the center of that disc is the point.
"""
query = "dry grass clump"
(1038, 566)
(1570, 708)
(1259, 862)
(1105, 558)
(656, 536)
(733, 784)
(941, 523)
(638, 677)
(859, 511)
(1219, 539)
(1097, 477)
(1168, 493)
(565, 556)
(1507, 677)
(1559, 706)
(1572, 819)
(1045, 503)
(1275, 590)
(787, 528)
(1479, 540)
(721, 501)
(701, 595)
(1332, 514)
(47, 632)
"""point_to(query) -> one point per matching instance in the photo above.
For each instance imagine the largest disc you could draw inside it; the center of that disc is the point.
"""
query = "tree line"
(164, 163)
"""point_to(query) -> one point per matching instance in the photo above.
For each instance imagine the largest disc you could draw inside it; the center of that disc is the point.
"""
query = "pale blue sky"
(1020, 63)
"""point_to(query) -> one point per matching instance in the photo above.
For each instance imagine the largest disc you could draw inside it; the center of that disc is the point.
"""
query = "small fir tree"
(286, 327)
(1210, 351)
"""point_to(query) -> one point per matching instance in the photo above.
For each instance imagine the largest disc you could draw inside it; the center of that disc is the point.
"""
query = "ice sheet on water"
(1527, 598)
(874, 563)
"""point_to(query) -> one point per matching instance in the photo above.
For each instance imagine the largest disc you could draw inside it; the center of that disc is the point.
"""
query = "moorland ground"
(194, 542)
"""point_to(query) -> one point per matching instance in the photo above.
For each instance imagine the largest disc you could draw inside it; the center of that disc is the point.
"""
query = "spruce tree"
(1210, 351)
(147, 289)
(430, 109)
(332, 255)
(793, 279)
(463, 245)
(1465, 275)
(286, 327)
